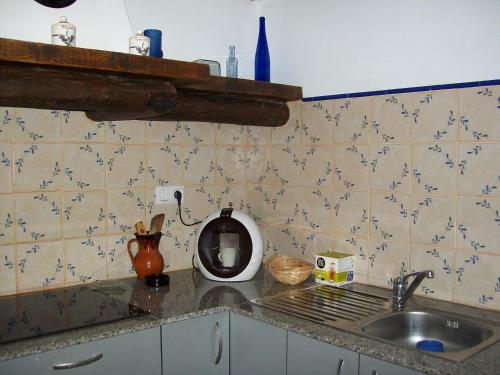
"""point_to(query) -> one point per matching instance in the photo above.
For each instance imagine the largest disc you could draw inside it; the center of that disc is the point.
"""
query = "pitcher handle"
(129, 244)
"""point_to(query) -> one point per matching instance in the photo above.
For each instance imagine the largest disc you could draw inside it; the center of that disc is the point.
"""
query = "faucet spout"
(401, 292)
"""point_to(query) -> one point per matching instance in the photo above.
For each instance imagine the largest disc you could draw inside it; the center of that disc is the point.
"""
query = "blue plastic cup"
(155, 36)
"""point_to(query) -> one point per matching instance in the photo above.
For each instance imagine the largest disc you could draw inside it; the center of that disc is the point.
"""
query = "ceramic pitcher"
(148, 259)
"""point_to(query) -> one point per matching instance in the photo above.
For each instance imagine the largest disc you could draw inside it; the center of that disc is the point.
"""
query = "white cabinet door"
(372, 366)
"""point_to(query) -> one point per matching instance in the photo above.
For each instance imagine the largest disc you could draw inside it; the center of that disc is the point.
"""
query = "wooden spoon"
(156, 223)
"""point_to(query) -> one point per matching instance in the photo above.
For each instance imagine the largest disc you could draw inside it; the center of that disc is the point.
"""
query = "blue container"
(430, 345)
(262, 59)
(155, 48)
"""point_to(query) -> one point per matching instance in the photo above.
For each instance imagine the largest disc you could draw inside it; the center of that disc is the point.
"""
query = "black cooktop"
(40, 314)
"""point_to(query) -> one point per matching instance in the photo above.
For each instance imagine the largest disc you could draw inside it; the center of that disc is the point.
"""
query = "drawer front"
(130, 354)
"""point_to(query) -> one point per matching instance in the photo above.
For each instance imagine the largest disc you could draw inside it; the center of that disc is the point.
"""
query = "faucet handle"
(403, 279)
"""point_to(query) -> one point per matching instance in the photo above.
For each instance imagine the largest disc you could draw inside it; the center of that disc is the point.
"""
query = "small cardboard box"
(334, 268)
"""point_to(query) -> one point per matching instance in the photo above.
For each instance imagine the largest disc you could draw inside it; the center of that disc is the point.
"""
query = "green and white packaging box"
(335, 269)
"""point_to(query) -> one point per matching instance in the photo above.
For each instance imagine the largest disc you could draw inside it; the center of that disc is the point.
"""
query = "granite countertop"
(190, 295)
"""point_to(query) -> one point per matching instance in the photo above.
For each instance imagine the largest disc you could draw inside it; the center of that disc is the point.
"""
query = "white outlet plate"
(165, 194)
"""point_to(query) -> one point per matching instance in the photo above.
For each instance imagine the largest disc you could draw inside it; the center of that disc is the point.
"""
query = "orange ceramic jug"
(148, 259)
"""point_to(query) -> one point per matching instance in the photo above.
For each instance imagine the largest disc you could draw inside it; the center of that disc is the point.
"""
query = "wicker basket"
(289, 270)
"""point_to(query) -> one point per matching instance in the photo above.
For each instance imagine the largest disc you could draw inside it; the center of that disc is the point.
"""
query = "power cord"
(178, 197)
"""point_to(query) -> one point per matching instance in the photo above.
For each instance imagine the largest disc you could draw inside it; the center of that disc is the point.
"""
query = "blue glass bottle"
(262, 59)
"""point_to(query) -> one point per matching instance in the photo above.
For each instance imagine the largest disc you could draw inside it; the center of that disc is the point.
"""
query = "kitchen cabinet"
(197, 346)
(309, 356)
(256, 347)
(130, 354)
(372, 366)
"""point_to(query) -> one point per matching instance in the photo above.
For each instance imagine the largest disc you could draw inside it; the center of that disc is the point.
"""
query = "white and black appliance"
(228, 246)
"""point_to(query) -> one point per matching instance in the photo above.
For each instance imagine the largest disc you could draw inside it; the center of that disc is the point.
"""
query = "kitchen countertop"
(190, 295)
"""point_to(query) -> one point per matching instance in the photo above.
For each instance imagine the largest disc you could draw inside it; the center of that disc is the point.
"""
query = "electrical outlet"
(165, 194)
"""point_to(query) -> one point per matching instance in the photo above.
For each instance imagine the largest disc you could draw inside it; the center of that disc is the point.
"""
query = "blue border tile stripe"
(448, 86)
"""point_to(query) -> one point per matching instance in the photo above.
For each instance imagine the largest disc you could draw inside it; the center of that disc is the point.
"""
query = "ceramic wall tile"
(169, 210)
(351, 120)
(351, 212)
(171, 249)
(286, 240)
(387, 260)
(7, 219)
(84, 166)
(118, 263)
(478, 224)
(199, 202)
(125, 132)
(7, 121)
(391, 118)
(8, 262)
(317, 208)
(185, 257)
(313, 243)
(164, 165)
(259, 166)
(234, 195)
(84, 213)
(261, 203)
(40, 265)
(479, 114)
(477, 279)
(359, 248)
(125, 208)
(434, 116)
(390, 217)
(317, 122)
(76, 127)
(441, 262)
(37, 125)
(390, 167)
(269, 248)
(351, 167)
(231, 165)
(433, 220)
(288, 206)
(199, 164)
(198, 133)
(37, 167)
(125, 166)
(434, 168)
(316, 167)
(228, 134)
(479, 170)
(286, 165)
(85, 260)
(38, 216)
(290, 132)
(258, 135)
(163, 132)
(6, 167)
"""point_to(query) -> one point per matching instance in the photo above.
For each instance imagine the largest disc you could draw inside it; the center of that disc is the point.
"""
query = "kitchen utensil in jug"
(148, 259)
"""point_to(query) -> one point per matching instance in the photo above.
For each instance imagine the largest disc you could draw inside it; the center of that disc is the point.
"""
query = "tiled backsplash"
(406, 182)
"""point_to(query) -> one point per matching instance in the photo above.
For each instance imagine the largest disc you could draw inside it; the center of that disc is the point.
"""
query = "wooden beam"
(182, 72)
(203, 107)
(49, 88)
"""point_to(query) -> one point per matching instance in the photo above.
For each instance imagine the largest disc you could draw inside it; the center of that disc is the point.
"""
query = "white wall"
(100, 24)
(201, 29)
(339, 46)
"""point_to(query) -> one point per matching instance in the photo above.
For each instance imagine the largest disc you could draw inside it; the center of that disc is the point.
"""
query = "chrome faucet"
(401, 293)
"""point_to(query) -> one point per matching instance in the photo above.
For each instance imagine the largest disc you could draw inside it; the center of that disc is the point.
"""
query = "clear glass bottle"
(232, 63)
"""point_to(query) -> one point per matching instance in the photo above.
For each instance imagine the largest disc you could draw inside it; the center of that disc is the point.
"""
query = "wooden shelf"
(118, 86)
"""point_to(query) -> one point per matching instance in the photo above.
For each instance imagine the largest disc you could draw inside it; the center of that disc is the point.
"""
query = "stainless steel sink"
(371, 316)
(460, 337)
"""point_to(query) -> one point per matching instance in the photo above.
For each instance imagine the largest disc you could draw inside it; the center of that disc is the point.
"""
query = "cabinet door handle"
(218, 332)
(83, 362)
(374, 372)
(340, 366)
